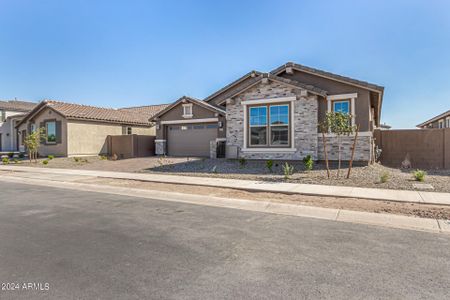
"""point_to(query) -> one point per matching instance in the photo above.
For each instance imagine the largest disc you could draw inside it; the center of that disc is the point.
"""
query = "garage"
(190, 139)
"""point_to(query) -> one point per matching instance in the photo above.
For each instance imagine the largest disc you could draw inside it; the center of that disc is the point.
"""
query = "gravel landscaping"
(362, 175)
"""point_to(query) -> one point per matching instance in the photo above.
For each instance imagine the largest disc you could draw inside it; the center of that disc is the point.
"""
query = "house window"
(2, 116)
(342, 106)
(50, 129)
(441, 124)
(269, 125)
(129, 130)
(448, 122)
(187, 110)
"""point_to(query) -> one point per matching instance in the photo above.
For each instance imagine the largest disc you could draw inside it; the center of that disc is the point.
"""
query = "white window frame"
(441, 123)
(187, 110)
(342, 97)
(46, 132)
(448, 122)
(265, 126)
(266, 101)
(269, 134)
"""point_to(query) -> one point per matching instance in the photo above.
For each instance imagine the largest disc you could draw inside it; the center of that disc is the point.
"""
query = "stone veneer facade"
(305, 121)
(307, 140)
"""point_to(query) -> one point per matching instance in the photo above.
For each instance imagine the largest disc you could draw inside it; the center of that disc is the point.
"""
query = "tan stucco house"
(77, 130)
(271, 115)
(439, 121)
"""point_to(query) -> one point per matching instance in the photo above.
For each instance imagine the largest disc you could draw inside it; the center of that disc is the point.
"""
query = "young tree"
(339, 124)
(32, 142)
(323, 127)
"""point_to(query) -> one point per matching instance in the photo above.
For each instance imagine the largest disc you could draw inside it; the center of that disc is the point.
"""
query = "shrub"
(384, 177)
(45, 162)
(10, 154)
(76, 159)
(269, 165)
(5, 160)
(242, 161)
(419, 175)
(16, 161)
(50, 157)
(308, 162)
(103, 157)
(21, 155)
(288, 170)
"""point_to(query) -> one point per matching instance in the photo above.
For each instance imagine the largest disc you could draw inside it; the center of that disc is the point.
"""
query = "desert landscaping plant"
(76, 159)
(103, 157)
(384, 177)
(5, 160)
(50, 157)
(269, 165)
(419, 175)
(288, 170)
(308, 162)
(32, 142)
(45, 162)
(242, 162)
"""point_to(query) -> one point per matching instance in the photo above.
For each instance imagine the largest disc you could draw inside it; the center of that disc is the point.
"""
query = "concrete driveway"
(101, 246)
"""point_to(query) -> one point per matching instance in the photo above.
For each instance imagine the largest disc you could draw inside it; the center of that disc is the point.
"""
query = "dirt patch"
(408, 209)
(362, 175)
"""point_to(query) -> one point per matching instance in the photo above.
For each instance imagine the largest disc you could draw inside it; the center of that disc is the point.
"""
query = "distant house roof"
(91, 113)
(434, 119)
(148, 110)
(17, 105)
(329, 75)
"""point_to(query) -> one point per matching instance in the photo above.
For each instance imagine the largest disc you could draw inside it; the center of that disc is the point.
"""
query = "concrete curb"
(259, 186)
(386, 220)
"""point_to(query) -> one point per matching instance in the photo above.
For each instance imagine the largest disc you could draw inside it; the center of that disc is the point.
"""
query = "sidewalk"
(260, 186)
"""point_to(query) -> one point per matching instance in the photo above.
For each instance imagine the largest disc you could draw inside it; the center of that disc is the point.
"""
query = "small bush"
(419, 175)
(45, 162)
(10, 154)
(384, 177)
(242, 161)
(50, 157)
(308, 162)
(16, 161)
(269, 165)
(103, 157)
(288, 170)
(76, 159)
(5, 160)
(21, 155)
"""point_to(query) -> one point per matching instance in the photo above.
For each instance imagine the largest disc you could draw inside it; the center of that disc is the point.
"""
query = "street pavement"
(68, 244)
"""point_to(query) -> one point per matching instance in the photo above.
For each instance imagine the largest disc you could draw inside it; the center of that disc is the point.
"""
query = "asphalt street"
(68, 244)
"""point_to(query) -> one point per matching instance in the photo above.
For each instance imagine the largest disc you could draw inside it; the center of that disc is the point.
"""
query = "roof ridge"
(77, 104)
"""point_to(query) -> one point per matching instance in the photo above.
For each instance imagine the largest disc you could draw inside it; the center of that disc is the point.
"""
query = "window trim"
(185, 106)
(247, 127)
(46, 133)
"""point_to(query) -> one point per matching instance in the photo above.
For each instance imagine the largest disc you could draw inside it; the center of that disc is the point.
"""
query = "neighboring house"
(11, 112)
(147, 110)
(74, 129)
(440, 121)
(272, 116)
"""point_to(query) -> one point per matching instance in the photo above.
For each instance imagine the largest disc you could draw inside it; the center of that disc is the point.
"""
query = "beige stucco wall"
(89, 138)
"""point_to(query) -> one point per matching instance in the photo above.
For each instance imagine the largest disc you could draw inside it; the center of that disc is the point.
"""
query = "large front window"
(269, 125)
(51, 132)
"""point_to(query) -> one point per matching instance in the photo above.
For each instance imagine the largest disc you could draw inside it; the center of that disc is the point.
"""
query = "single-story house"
(440, 121)
(78, 130)
(271, 116)
(11, 112)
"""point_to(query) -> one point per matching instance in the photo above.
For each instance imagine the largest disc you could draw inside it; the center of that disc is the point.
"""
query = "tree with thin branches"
(32, 142)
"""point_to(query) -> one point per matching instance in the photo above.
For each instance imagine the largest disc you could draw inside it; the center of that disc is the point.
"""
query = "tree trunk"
(29, 155)
(353, 153)
(325, 153)
(339, 156)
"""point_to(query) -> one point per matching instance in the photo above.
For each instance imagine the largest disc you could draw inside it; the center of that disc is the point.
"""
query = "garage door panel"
(191, 139)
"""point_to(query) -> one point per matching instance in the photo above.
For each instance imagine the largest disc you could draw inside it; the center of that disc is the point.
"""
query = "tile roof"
(17, 105)
(327, 74)
(148, 110)
(93, 113)
(434, 119)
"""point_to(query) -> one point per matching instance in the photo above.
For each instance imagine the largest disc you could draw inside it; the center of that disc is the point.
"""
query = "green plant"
(384, 177)
(76, 159)
(419, 175)
(16, 161)
(269, 165)
(50, 157)
(242, 161)
(45, 161)
(288, 170)
(10, 154)
(32, 142)
(103, 157)
(308, 162)
(21, 155)
(5, 160)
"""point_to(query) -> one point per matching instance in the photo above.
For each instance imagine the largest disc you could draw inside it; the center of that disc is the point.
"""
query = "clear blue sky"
(126, 53)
